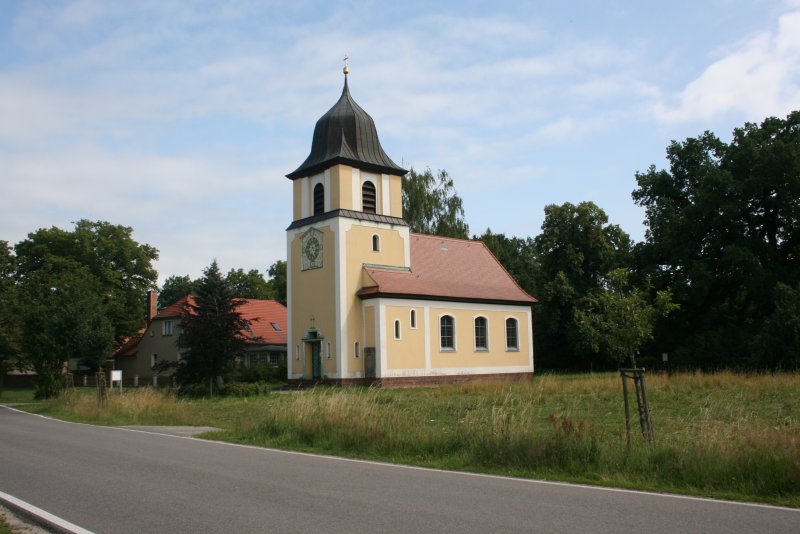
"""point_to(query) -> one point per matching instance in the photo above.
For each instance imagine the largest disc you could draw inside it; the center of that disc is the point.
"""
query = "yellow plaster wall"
(396, 189)
(465, 354)
(341, 187)
(409, 351)
(297, 192)
(313, 293)
(359, 251)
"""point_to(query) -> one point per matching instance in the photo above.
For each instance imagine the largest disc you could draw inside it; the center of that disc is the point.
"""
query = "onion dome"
(346, 134)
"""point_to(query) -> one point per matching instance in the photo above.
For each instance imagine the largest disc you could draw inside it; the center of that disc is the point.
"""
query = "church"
(369, 302)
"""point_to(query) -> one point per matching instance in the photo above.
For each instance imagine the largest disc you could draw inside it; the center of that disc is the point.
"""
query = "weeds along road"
(115, 480)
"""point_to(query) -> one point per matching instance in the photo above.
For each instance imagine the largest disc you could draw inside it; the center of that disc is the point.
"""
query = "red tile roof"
(262, 313)
(447, 269)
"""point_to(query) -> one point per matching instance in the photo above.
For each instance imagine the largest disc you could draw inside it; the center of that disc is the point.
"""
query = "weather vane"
(346, 69)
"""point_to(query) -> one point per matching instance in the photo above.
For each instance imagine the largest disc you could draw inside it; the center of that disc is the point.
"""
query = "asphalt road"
(120, 480)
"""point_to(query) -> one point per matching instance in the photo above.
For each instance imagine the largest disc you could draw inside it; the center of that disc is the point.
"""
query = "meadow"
(724, 435)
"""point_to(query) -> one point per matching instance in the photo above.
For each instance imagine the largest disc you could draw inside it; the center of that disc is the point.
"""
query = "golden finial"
(346, 69)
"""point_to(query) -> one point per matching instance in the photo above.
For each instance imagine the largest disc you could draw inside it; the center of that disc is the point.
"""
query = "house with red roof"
(157, 342)
(369, 301)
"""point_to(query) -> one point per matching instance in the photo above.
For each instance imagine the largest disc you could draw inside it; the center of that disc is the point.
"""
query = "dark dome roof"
(346, 134)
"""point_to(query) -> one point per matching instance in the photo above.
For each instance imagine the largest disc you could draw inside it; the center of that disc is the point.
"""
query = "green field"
(724, 435)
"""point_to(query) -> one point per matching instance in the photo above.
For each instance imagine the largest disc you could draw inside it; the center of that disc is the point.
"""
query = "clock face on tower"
(311, 249)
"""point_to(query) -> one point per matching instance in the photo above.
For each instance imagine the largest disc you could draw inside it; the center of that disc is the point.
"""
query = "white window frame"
(475, 335)
(510, 348)
(454, 348)
(166, 328)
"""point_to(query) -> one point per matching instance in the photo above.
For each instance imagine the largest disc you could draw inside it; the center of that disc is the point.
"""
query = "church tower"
(347, 215)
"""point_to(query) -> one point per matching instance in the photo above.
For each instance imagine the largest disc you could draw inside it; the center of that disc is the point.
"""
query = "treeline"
(74, 295)
(715, 283)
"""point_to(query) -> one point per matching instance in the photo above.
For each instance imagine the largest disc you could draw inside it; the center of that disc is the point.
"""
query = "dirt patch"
(19, 525)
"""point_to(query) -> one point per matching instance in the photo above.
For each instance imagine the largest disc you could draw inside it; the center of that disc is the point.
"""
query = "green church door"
(316, 361)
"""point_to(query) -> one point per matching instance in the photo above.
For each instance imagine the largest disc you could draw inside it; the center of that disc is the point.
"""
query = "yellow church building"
(372, 303)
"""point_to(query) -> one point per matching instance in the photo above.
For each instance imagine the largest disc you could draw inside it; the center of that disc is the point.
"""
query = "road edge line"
(41, 517)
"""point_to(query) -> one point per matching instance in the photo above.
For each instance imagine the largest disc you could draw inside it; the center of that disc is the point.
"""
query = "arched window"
(413, 319)
(481, 334)
(319, 199)
(397, 329)
(447, 333)
(512, 339)
(368, 197)
(376, 243)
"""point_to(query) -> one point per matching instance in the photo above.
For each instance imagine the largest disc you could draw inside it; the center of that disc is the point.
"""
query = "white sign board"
(116, 376)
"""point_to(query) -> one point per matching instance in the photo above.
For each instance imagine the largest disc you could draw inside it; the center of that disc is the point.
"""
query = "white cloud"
(757, 78)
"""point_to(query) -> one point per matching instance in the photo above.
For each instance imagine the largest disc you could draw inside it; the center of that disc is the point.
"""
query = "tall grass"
(133, 407)
(725, 434)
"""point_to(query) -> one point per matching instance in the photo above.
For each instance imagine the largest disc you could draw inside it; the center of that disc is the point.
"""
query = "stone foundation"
(412, 381)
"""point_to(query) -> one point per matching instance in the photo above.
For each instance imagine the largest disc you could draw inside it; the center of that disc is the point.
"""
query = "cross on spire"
(346, 69)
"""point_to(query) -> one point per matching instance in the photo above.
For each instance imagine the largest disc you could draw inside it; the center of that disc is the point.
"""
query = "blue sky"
(182, 118)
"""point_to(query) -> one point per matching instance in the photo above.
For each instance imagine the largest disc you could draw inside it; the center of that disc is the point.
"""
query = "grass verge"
(722, 435)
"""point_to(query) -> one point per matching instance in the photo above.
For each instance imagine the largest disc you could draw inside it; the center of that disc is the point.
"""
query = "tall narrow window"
(447, 331)
(512, 342)
(355, 349)
(413, 319)
(376, 243)
(397, 329)
(319, 199)
(481, 337)
(329, 350)
(368, 197)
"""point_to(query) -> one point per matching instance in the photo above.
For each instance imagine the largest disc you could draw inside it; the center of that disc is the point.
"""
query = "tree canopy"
(432, 206)
(244, 284)
(723, 231)
(122, 268)
(576, 248)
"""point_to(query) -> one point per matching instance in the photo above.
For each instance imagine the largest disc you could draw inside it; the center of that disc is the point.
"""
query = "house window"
(297, 352)
(376, 243)
(368, 197)
(166, 328)
(413, 319)
(447, 333)
(319, 199)
(397, 328)
(355, 349)
(329, 350)
(481, 333)
(153, 360)
(276, 327)
(512, 342)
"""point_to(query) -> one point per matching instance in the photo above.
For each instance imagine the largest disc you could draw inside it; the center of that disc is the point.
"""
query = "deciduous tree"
(277, 281)
(121, 266)
(432, 206)
(576, 249)
(723, 230)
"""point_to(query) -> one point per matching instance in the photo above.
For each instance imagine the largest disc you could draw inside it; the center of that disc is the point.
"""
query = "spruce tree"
(211, 332)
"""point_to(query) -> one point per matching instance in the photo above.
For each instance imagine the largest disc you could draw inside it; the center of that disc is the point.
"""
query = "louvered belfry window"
(368, 197)
(319, 199)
